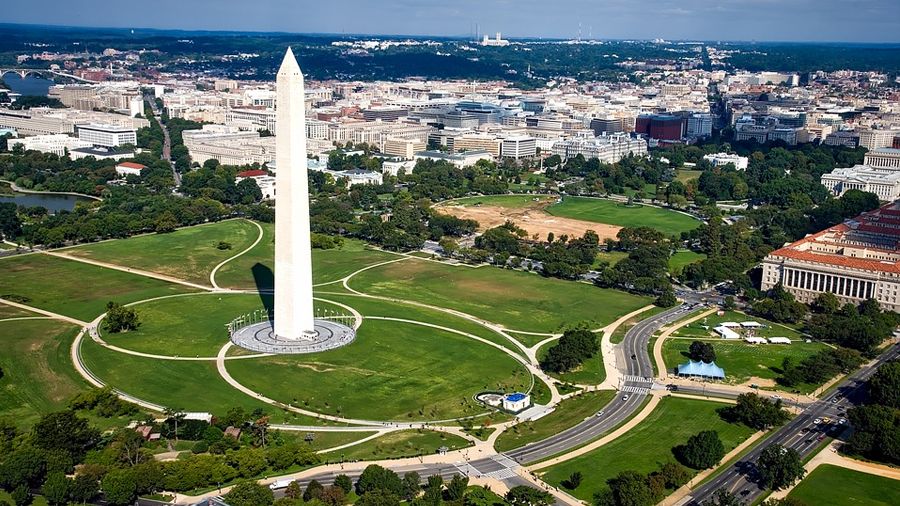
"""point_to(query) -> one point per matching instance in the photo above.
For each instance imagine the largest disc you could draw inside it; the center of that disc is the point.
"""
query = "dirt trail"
(534, 219)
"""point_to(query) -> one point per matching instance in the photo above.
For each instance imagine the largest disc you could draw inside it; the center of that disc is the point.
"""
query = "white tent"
(756, 340)
(779, 340)
(730, 324)
(751, 325)
(726, 333)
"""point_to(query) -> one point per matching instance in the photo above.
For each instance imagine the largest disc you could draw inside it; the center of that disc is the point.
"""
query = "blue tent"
(703, 369)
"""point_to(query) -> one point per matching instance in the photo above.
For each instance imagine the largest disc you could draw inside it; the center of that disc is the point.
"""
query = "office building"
(403, 148)
(881, 182)
(107, 136)
(518, 146)
(660, 126)
(721, 159)
(883, 158)
(58, 144)
(608, 149)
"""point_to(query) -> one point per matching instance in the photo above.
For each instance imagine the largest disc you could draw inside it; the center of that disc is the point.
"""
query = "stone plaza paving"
(260, 336)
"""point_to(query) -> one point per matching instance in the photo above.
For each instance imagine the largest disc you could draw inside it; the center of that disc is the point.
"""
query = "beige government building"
(855, 260)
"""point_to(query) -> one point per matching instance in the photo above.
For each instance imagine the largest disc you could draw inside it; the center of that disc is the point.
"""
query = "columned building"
(855, 260)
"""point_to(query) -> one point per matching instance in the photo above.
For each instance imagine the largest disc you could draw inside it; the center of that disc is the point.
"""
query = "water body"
(31, 85)
(52, 202)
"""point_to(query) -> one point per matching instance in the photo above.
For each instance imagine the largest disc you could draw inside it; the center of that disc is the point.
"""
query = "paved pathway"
(212, 274)
(147, 274)
(662, 373)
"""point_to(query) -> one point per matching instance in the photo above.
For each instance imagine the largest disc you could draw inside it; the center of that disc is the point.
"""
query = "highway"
(801, 434)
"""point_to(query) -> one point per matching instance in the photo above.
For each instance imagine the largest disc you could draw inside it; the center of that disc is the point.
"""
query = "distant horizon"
(202, 31)
(805, 21)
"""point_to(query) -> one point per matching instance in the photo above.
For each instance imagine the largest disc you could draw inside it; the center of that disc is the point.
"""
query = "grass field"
(510, 201)
(832, 485)
(191, 386)
(72, 288)
(743, 361)
(403, 443)
(616, 213)
(681, 258)
(772, 329)
(516, 300)
(389, 372)
(569, 413)
(609, 257)
(14, 312)
(38, 376)
(323, 440)
(255, 268)
(188, 253)
(188, 326)
(649, 444)
(685, 175)
(591, 371)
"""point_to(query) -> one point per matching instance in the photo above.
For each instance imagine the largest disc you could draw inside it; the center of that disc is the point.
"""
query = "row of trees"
(573, 348)
(876, 424)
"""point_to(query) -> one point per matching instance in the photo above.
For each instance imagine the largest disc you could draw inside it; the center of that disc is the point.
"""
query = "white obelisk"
(293, 258)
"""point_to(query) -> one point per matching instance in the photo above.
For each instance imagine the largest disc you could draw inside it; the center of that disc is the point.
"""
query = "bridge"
(23, 73)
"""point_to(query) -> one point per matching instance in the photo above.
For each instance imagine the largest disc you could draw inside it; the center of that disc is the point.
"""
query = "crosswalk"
(503, 474)
(502, 467)
(506, 461)
(635, 389)
(629, 378)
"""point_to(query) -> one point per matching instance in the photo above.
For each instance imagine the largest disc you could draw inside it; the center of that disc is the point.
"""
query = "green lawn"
(516, 300)
(191, 386)
(37, 500)
(188, 253)
(38, 376)
(188, 326)
(72, 288)
(591, 372)
(14, 312)
(403, 443)
(649, 444)
(681, 258)
(743, 361)
(567, 414)
(510, 201)
(616, 213)
(685, 175)
(395, 371)
(772, 329)
(610, 257)
(322, 440)
(832, 485)
(255, 268)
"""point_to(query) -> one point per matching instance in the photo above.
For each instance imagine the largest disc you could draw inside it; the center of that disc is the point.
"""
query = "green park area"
(590, 372)
(516, 300)
(830, 485)
(646, 446)
(704, 327)
(682, 258)
(255, 268)
(508, 201)
(38, 376)
(743, 362)
(189, 253)
(398, 444)
(388, 373)
(73, 288)
(685, 175)
(618, 213)
(568, 413)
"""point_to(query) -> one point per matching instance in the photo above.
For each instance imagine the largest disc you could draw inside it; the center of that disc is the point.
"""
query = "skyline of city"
(762, 20)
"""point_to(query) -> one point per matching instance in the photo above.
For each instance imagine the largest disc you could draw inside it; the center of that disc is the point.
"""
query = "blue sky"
(788, 20)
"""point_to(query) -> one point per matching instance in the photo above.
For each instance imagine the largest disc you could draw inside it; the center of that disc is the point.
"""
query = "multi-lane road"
(801, 434)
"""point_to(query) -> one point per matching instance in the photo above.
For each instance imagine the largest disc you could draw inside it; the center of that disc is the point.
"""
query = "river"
(31, 85)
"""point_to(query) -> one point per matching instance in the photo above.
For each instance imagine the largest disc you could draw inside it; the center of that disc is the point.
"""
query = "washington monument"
(293, 256)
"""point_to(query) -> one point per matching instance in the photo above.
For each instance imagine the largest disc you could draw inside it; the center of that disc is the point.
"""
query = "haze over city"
(764, 20)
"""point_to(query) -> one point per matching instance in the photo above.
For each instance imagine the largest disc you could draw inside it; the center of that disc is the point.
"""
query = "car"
(776, 397)
(625, 397)
(599, 413)
(633, 356)
(280, 484)
(842, 421)
(821, 437)
(804, 430)
(810, 440)
(817, 421)
(825, 419)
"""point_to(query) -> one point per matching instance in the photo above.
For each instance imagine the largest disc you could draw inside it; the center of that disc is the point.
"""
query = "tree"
(433, 490)
(456, 488)
(10, 223)
(630, 488)
(65, 431)
(119, 487)
(884, 386)
(313, 491)
(827, 303)
(346, 484)
(21, 495)
(574, 347)
(779, 467)
(375, 477)
(702, 351)
(411, 485)
(755, 412)
(729, 302)
(573, 481)
(120, 318)
(666, 298)
(333, 496)
(702, 451)
(378, 498)
(522, 495)
(249, 493)
(294, 491)
(84, 488)
(56, 488)
(722, 497)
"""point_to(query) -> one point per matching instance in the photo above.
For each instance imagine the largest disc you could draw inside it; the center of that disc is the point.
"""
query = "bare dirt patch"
(533, 220)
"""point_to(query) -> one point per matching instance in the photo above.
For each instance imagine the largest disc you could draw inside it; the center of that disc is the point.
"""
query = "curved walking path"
(212, 274)
(139, 272)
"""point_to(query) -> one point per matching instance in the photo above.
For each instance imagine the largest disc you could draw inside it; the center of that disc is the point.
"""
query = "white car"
(817, 421)
(280, 484)
(625, 397)
(599, 413)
